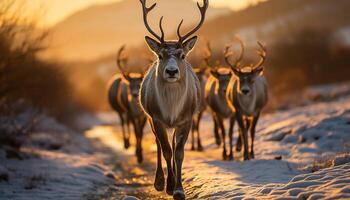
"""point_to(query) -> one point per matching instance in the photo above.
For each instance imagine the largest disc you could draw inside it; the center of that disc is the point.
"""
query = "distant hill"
(274, 19)
(100, 30)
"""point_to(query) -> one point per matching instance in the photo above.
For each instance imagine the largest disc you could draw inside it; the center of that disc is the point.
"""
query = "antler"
(203, 10)
(145, 11)
(262, 54)
(209, 55)
(121, 61)
(227, 54)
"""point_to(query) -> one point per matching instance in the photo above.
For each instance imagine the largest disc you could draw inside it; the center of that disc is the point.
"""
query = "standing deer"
(215, 93)
(201, 75)
(127, 98)
(170, 96)
(116, 93)
(247, 95)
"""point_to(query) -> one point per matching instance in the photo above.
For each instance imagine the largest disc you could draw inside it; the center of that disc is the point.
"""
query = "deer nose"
(172, 71)
(245, 91)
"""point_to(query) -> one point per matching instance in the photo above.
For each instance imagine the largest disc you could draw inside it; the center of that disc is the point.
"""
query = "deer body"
(173, 104)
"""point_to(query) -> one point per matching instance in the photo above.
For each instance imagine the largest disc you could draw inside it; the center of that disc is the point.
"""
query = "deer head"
(246, 78)
(219, 72)
(171, 64)
(132, 79)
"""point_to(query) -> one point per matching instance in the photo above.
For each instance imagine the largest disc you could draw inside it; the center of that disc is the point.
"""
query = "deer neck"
(247, 102)
(171, 98)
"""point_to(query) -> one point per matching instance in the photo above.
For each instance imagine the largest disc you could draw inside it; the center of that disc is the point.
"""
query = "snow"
(300, 153)
(56, 163)
(287, 146)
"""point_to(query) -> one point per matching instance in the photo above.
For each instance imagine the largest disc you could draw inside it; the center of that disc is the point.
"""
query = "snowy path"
(300, 136)
(60, 164)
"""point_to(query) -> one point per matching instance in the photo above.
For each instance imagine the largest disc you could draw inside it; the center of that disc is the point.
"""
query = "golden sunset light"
(54, 11)
(174, 99)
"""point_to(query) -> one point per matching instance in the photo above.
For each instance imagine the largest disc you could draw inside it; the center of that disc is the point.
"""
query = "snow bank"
(54, 163)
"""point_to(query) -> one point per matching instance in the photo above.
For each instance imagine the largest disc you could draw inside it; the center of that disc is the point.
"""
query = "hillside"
(274, 19)
(99, 30)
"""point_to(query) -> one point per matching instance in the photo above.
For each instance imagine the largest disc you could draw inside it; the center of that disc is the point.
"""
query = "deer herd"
(174, 95)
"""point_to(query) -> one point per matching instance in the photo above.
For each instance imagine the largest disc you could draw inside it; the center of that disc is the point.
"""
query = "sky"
(53, 11)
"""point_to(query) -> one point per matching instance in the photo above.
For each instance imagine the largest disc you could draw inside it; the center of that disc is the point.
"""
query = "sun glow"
(56, 10)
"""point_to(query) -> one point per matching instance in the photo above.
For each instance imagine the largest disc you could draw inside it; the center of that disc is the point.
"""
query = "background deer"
(247, 95)
(127, 99)
(170, 96)
(201, 75)
(118, 91)
(215, 93)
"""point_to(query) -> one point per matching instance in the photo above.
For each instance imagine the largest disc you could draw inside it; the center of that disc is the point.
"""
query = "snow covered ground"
(295, 151)
(299, 137)
(301, 153)
(55, 163)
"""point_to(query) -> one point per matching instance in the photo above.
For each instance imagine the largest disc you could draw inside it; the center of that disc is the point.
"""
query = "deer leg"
(159, 180)
(199, 144)
(223, 135)
(181, 135)
(167, 153)
(216, 131)
(138, 151)
(125, 138)
(192, 133)
(243, 134)
(230, 134)
(239, 141)
(173, 148)
(252, 135)
(127, 123)
(139, 141)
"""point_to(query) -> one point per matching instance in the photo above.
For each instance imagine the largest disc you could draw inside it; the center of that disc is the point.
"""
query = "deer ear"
(214, 73)
(189, 44)
(235, 71)
(152, 44)
(259, 70)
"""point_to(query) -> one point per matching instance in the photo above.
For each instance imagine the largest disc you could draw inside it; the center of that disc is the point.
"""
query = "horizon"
(50, 13)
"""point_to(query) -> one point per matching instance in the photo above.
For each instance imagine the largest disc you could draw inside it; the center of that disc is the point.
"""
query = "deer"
(170, 95)
(215, 94)
(118, 91)
(247, 95)
(127, 99)
(201, 75)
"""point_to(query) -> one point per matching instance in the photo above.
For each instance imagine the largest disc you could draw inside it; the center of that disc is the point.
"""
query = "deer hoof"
(218, 141)
(251, 155)
(246, 157)
(170, 186)
(238, 147)
(126, 143)
(159, 184)
(230, 157)
(200, 148)
(179, 195)
(139, 156)
(192, 148)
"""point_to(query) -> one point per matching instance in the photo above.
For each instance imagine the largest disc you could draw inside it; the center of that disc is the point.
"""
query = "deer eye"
(182, 56)
(160, 57)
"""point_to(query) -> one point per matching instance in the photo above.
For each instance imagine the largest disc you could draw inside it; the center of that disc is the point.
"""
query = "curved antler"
(262, 54)
(203, 10)
(121, 61)
(145, 11)
(209, 55)
(227, 53)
